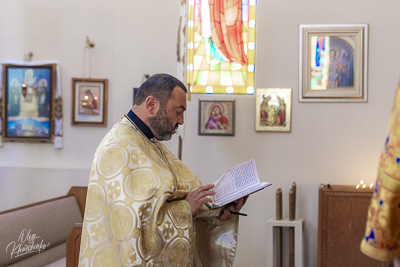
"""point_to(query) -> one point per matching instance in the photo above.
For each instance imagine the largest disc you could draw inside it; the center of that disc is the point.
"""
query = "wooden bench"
(36, 234)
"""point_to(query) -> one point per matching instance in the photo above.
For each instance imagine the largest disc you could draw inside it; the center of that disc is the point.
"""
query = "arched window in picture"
(332, 62)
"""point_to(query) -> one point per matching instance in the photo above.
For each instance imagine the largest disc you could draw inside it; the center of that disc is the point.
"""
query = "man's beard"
(161, 126)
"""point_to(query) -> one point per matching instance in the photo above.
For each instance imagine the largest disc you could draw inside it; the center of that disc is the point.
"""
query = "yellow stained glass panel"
(238, 78)
(226, 79)
(197, 62)
(213, 78)
(225, 66)
(202, 78)
(204, 64)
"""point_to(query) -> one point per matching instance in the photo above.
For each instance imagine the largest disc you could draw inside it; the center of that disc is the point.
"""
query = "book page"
(223, 187)
(241, 193)
(235, 180)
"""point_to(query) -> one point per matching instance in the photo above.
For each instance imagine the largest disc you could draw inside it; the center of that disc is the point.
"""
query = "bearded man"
(144, 207)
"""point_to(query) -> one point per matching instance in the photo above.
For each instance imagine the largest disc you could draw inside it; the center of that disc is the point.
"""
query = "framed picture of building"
(217, 117)
(273, 110)
(333, 63)
(28, 103)
(89, 102)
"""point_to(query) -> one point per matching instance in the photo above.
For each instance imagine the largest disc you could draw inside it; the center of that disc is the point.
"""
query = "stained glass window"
(221, 46)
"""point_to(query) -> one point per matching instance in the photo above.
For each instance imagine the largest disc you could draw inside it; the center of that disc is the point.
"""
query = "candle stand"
(298, 225)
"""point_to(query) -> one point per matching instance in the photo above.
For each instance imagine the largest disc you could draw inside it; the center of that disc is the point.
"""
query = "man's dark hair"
(160, 86)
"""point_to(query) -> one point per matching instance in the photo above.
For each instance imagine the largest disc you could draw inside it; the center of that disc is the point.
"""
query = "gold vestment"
(382, 234)
(136, 214)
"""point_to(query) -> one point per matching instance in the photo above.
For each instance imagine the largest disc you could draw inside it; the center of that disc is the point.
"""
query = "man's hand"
(198, 197)
(235, 206)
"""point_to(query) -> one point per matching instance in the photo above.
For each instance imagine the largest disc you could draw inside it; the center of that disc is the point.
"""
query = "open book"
(238, 182)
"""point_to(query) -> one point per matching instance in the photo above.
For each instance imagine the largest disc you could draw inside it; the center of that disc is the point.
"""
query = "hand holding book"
(199, 196)
(232, 190)
(232, 209)
(238, 182)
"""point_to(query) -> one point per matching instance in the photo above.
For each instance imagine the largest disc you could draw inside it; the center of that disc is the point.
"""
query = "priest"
(144, 207)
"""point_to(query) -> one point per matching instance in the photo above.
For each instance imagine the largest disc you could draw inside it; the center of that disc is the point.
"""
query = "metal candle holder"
(279, 229)
(292, 217)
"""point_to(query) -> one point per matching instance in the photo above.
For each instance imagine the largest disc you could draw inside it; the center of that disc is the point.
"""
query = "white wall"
(336, 143)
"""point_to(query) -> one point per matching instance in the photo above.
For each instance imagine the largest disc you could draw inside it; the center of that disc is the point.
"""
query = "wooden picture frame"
(89, 102)
(333, 62)
(28, 103)
(273, 110)
(217, 117)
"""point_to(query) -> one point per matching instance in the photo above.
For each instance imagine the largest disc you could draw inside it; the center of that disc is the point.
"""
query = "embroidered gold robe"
(136, 214)
(382, 234)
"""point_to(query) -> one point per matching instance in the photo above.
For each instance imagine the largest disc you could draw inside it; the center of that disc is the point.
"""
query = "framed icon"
(333, 63)
(89, 102)
(273, 109)
(29, 103)
(217, 117)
